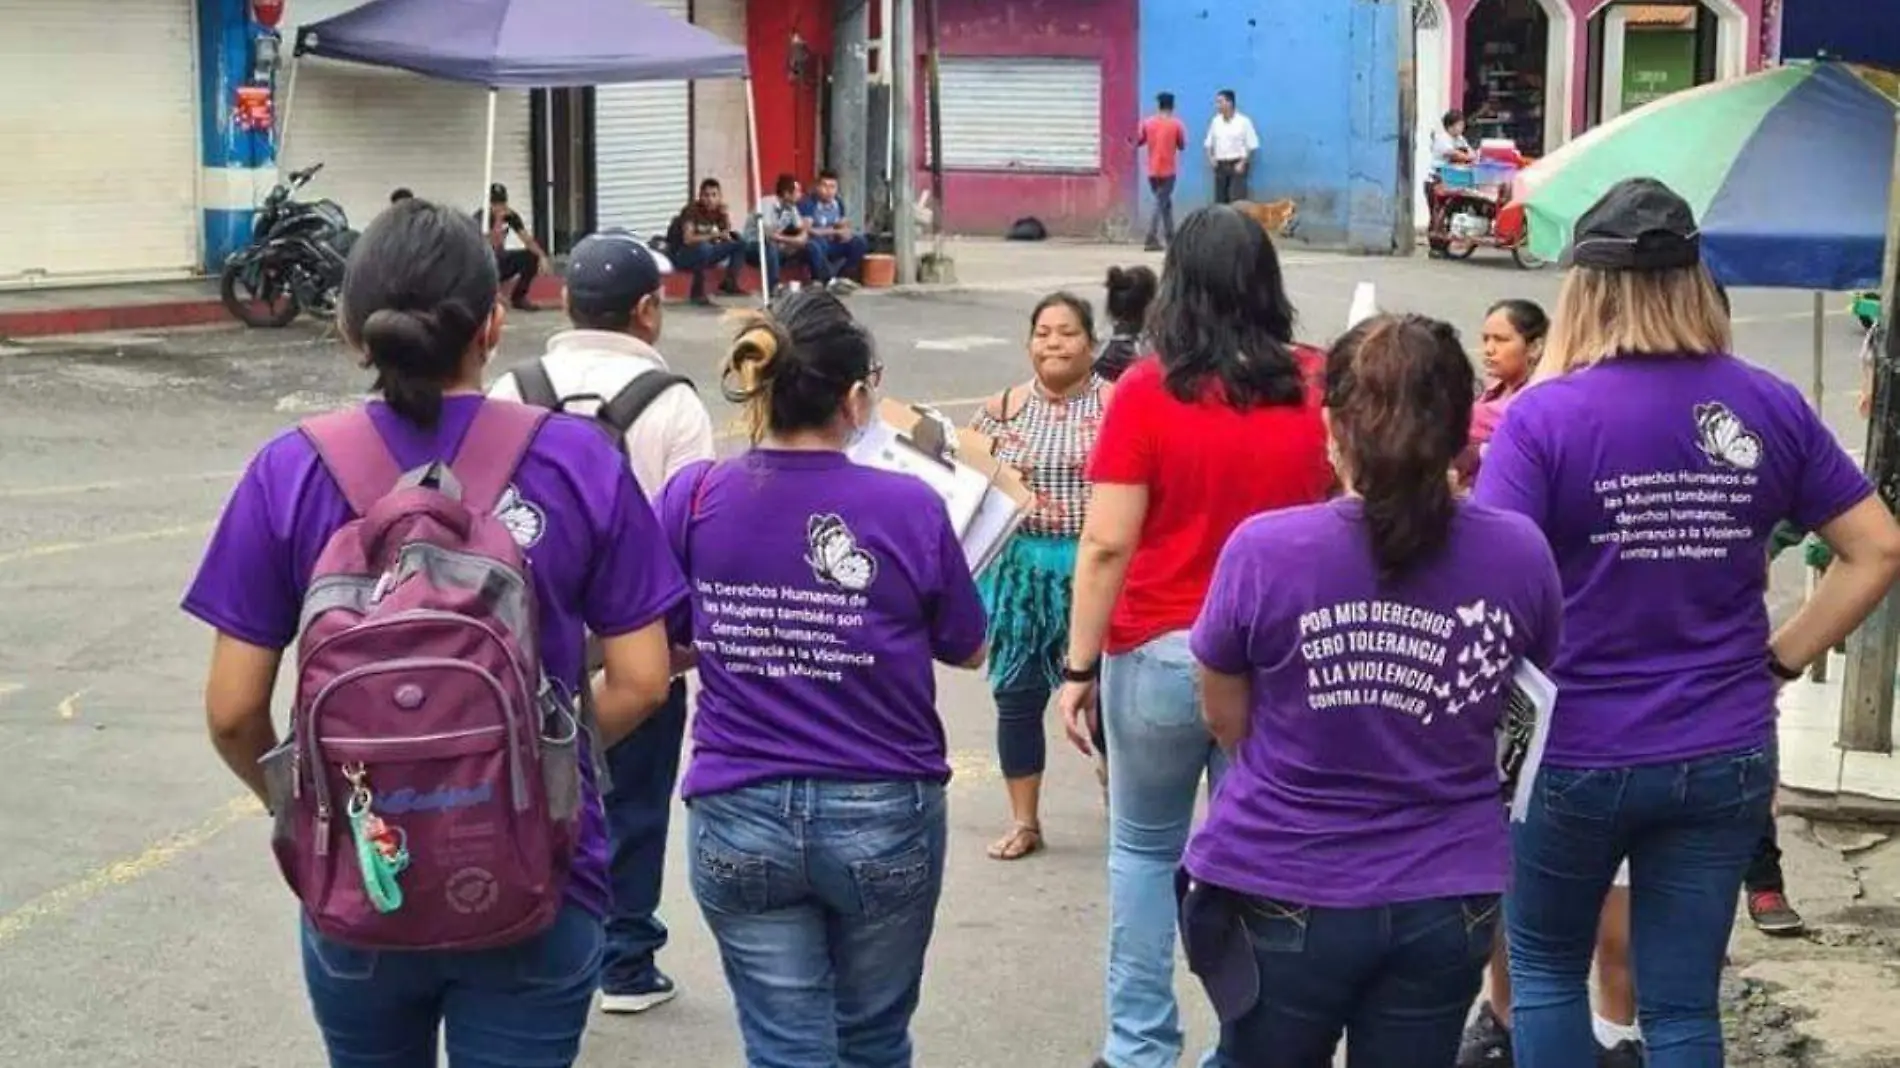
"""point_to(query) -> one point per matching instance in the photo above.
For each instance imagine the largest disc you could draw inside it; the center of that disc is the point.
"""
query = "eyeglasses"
(875, 379)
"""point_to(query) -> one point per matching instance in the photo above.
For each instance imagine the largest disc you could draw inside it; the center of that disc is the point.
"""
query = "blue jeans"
(523, 1006)
(831, 258)
(696, 258)
(1159, 751)
(644, 766)
(1689, 830)
(1397, 981)
(822, 897)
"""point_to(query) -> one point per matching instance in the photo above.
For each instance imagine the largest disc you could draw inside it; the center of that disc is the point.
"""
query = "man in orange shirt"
(1164, 137)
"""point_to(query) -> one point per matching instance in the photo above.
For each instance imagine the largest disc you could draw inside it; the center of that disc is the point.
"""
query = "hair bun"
(400, 336)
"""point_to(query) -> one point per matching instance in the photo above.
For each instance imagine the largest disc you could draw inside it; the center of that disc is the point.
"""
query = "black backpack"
(615, 417)
(617, 414)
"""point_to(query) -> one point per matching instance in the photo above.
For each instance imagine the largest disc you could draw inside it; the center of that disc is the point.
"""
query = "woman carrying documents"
(822, 592)
(1043, 429)
(1356, 659)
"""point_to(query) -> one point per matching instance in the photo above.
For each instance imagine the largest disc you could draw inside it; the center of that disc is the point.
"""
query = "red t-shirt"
(1165, 137)
(1207, 467)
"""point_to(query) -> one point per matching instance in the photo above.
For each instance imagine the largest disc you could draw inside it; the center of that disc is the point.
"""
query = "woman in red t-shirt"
(1223, 422)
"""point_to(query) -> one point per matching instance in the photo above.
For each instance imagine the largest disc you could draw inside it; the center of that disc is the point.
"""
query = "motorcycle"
(294, 263)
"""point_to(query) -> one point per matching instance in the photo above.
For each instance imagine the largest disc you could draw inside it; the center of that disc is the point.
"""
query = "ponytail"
(792, 367)
(1400, 393)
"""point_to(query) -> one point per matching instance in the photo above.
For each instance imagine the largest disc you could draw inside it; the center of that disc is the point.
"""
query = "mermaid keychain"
(381, 850)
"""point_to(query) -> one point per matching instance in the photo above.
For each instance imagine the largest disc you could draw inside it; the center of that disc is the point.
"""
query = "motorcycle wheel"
(269, 306)
(1527, 259)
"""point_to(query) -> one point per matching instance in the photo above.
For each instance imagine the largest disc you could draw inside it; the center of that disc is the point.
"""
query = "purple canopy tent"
(529, 44)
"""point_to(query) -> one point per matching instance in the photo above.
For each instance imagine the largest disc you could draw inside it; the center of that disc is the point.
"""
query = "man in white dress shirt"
(1231, 143)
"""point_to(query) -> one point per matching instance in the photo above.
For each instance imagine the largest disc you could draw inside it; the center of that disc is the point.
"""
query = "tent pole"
(758, 195)
(283, 116)
(488, 163)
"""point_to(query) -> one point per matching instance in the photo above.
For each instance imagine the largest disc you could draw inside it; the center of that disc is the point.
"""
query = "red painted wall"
(788, 111)
(979, 202)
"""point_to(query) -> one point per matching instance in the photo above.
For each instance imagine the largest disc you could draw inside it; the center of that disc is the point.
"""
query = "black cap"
(498, 194)
(1639, 225)
(611, 272)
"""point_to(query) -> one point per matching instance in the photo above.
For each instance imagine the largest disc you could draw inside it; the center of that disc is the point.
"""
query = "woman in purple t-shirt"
(823, 592)
(1657, 464)
(1354, 661)
(419, 304)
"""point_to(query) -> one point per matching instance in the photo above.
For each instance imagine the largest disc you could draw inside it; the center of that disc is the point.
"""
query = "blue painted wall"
(1319, 79)
(235, 160)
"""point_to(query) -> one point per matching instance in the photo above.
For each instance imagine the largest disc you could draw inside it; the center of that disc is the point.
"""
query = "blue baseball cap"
(612, 272)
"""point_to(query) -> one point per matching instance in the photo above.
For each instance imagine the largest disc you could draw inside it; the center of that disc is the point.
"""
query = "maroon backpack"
(428, 796)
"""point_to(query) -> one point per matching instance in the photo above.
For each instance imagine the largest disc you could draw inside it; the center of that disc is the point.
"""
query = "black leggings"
(1022, 746)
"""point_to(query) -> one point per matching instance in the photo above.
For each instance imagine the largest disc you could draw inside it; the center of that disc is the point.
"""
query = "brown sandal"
(1020, 842)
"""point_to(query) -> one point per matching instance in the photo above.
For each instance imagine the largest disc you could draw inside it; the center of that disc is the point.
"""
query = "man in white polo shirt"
(607, 368)
(1231, 143)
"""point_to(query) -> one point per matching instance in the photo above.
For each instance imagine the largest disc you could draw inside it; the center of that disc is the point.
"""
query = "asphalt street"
(142, 922)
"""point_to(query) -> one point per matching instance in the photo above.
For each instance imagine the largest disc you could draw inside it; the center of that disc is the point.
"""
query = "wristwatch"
(1781, 670)
(1087, 674)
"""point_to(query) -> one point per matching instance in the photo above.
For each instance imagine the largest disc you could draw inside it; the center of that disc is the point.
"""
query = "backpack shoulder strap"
(624, 409)
(496, 441)
(535, 385)
(351, 448)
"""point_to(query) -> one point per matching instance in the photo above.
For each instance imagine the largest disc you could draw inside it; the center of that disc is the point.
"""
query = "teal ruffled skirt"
(1027, 592)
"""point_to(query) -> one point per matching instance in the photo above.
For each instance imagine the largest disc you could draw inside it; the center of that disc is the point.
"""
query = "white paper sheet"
(1531, 692)
(995, 523)
(961, 487)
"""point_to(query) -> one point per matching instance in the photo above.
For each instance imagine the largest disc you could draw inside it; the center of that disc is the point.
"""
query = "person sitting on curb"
(702, 236)
(835, 251)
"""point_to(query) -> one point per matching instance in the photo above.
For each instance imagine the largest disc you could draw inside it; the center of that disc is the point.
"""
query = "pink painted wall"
(1583, 11)
(978, 202)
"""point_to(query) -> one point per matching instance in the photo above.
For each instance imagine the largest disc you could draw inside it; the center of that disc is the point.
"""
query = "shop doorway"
(1514, 85)
(1642, 52)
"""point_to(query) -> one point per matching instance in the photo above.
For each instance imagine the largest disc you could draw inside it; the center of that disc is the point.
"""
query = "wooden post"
(1867, 696)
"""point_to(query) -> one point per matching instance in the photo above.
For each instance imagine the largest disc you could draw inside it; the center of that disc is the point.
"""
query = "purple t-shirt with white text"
(599, 561)
(1369, 772)
(1658, 481)
(822, 591)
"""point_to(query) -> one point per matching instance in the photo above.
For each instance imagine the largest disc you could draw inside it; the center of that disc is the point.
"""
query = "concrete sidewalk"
(981, 264)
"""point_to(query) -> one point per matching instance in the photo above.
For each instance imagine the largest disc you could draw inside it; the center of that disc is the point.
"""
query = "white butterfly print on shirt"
(1723, 439)
(523, 518)
(835, 557)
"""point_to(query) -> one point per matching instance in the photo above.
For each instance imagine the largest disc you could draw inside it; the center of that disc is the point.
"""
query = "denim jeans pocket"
(726, 879)
(564, 954)
(1735, 785)
(1580, 793)
(1276, 926)
(1483, 914)
(891, 885)
(338, 961)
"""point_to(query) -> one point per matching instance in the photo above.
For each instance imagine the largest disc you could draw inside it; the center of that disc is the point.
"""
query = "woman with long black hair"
(1223, 425)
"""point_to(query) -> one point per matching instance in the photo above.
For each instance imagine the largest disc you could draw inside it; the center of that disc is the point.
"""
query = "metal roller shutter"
(643, 168)
(99, 116)
(1021, 113)
(375, 130)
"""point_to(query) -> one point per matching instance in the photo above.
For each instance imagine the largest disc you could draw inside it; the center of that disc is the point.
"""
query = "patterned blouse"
(1049, 441)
